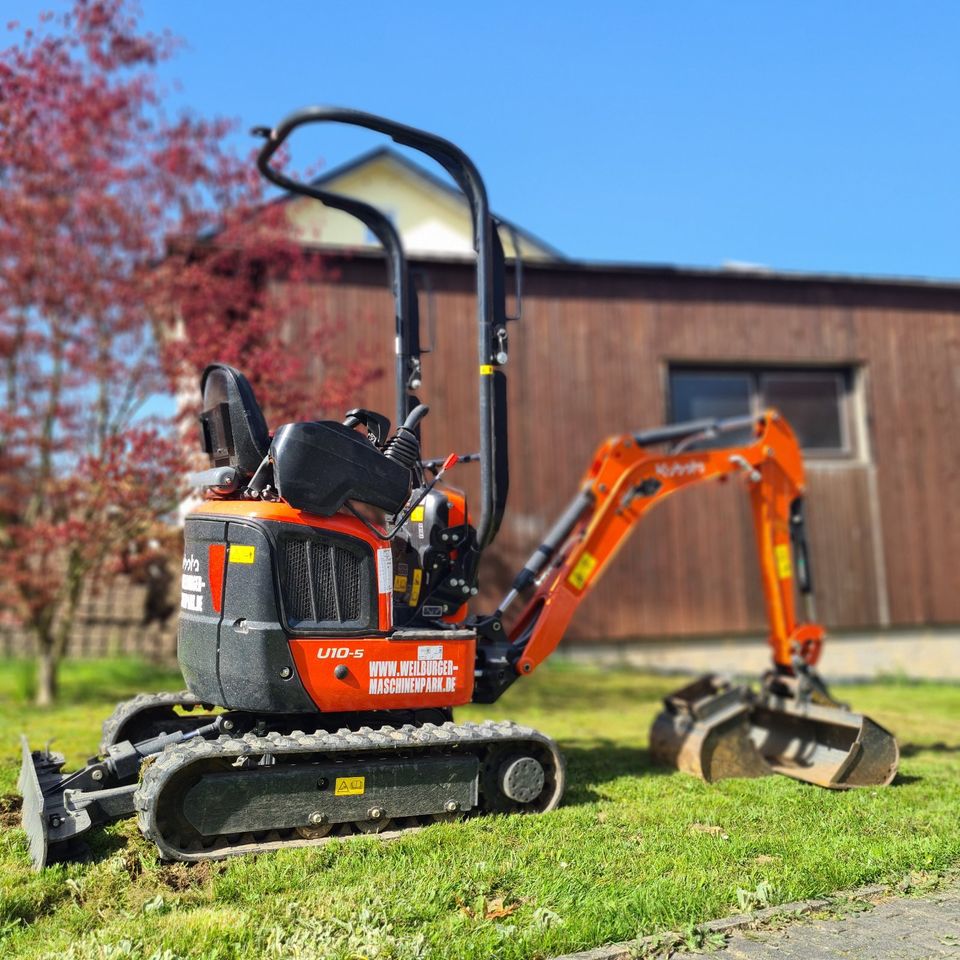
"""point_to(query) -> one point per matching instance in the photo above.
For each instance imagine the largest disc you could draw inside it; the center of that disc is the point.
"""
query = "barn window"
(815, 400)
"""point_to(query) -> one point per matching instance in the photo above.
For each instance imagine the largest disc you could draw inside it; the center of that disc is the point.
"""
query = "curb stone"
(631, 949)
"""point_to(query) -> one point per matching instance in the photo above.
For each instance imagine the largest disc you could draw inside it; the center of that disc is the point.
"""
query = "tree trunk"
(47, 665)
(60, 637)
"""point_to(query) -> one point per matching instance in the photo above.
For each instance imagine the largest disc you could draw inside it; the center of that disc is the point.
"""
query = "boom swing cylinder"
(334, 648)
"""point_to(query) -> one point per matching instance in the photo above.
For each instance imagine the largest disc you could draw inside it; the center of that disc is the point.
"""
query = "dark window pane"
(812, 403)
(695, 395)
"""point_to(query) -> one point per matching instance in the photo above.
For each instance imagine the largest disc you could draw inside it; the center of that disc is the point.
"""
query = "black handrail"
(406, 307)
(491, 306)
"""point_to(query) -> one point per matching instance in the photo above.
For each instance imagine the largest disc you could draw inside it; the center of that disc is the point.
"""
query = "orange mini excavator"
(335, 647)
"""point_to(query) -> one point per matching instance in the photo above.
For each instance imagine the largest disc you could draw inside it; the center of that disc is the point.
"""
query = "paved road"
(906, 928)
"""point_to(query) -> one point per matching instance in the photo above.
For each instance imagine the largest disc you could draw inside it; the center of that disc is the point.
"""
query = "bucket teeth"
(714, 729)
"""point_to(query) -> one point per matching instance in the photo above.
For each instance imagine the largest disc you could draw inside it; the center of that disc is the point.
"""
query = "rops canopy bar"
(491, 307)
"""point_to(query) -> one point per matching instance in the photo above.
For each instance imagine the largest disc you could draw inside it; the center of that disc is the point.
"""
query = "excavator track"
(211, 799)
(149, 715)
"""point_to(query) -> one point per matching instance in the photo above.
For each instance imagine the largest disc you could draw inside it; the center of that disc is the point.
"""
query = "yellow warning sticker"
(782, 554)
(399, 583)
(241, 554)
(415, 587)
(486, 369)
(417, 515)
(349, 786)
(582, 571)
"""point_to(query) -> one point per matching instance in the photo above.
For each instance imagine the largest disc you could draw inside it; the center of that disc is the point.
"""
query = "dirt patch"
(131, 864)
(709, 828)
(10, 805)
(186, 876)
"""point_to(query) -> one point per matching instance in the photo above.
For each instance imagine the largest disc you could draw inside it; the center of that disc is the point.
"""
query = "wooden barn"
(867, 370)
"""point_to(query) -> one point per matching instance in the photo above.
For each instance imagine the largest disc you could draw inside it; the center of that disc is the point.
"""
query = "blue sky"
(807, 136)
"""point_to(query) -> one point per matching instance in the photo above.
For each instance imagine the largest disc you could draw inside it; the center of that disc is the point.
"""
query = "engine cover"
(256, 575)
(285, 612)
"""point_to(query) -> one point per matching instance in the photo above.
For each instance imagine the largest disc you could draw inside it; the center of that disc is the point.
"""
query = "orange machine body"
(386, 673)
(391, 669)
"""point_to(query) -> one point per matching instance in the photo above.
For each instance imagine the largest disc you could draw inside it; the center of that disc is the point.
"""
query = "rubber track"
(127, 709)
(174, 760)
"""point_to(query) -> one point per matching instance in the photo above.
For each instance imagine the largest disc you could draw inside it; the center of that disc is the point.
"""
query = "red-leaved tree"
(100, 311)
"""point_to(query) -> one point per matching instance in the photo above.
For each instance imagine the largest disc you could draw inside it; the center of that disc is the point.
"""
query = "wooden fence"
(110, 622)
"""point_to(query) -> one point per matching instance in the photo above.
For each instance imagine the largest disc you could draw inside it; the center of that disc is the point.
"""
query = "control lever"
(434, 463)
(378, 426)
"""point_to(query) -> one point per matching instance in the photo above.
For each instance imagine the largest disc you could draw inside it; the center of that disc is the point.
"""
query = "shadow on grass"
(590, 766)
(912, 749)
(905, 779)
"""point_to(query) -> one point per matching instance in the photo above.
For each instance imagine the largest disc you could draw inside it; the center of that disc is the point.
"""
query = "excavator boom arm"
(626, 479)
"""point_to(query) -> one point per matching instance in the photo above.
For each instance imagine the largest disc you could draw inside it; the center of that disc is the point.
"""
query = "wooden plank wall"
(590, 358)
(109, 623)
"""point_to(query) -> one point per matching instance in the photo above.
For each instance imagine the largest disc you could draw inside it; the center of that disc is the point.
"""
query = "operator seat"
(233, 431)
(318, 466)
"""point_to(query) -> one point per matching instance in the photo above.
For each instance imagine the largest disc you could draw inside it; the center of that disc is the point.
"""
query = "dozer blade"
(824, 744)
(704, 730)
(51, 830)
(59, 808)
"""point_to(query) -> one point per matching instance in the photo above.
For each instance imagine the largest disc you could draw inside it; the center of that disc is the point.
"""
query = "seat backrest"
(233, 431)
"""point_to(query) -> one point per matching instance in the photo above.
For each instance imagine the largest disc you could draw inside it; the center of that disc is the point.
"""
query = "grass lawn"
(629, 853)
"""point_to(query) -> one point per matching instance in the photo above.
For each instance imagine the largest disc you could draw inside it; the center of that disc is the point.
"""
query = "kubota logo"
(338, 653)
(692, 468)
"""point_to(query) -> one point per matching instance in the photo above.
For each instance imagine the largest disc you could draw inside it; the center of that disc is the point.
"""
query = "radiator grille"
(349, 580)
(296, 579)
(322, 582)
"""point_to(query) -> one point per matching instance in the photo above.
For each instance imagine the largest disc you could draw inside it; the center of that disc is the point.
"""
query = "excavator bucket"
(823, 743)
(704, 730)
(714, 729)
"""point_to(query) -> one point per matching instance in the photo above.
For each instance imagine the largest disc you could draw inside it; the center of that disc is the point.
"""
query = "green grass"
(620, 859)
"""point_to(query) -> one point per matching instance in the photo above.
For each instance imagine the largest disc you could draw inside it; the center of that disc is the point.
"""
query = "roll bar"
(406, 306)
(491, 302)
